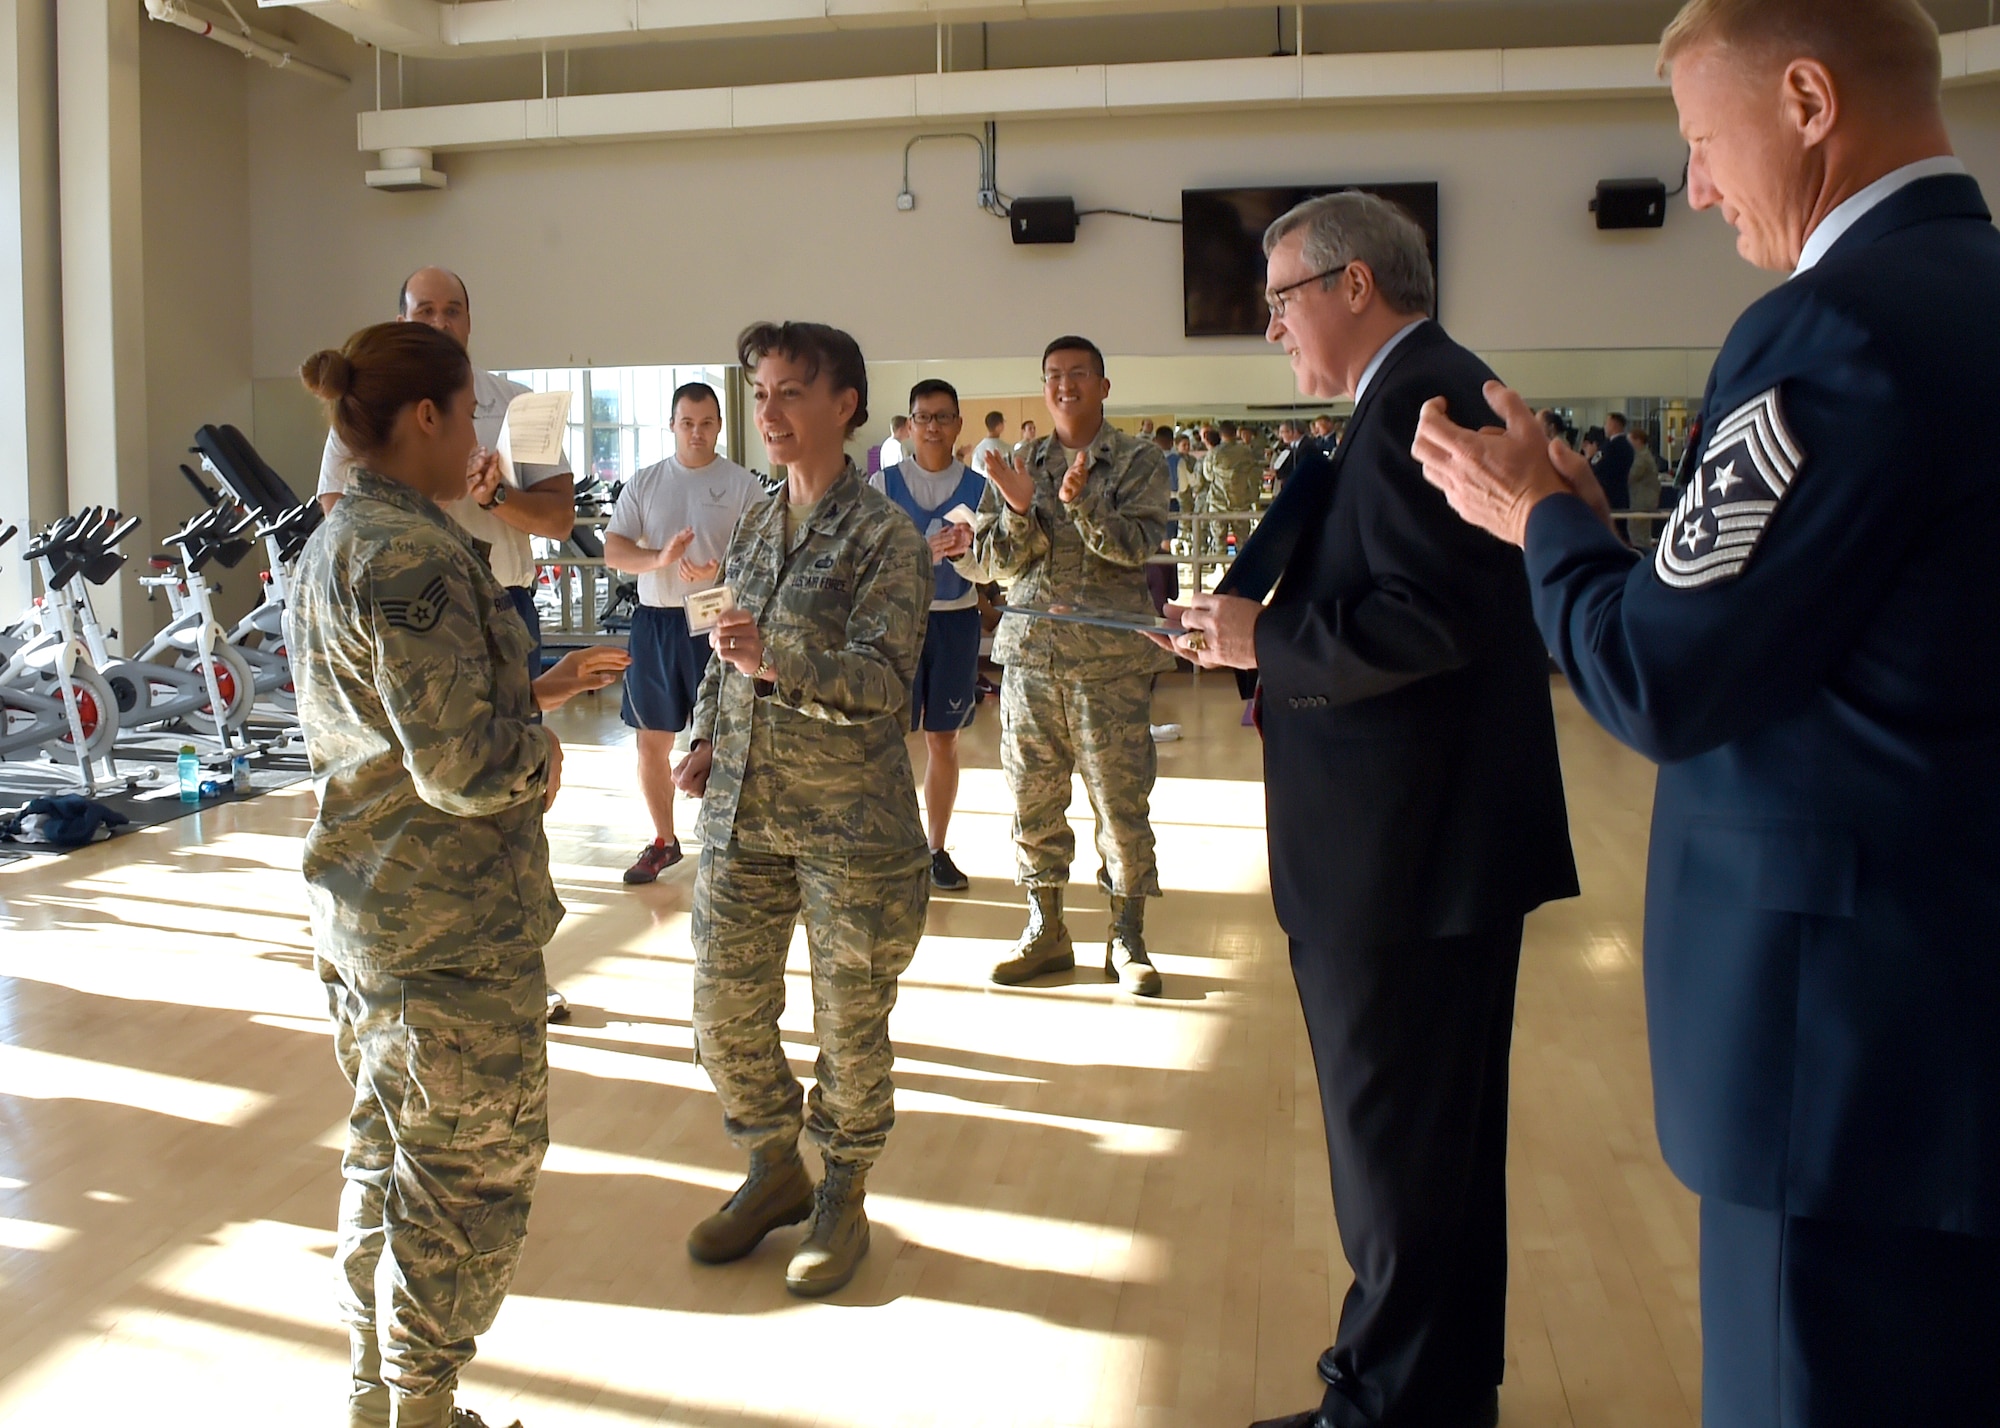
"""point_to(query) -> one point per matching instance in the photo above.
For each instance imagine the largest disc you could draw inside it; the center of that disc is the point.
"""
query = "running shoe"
(654, 860)
(945, 876)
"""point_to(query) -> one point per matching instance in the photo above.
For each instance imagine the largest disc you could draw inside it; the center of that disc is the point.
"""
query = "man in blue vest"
(930, 483)
(1805, 658)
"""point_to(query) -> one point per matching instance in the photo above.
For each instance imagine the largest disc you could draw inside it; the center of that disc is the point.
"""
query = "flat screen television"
(1222, 247)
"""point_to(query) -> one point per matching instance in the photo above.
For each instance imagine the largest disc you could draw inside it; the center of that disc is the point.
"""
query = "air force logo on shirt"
(1747, 466)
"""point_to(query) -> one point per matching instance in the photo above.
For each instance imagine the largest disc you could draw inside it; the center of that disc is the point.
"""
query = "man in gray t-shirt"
(671, 528)
(539, 501)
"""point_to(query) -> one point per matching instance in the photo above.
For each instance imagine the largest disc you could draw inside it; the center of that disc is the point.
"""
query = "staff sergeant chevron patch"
(1748, 465)
(421, 615)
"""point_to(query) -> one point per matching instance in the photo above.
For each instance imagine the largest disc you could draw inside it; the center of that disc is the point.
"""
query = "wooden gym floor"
(1092, 1212)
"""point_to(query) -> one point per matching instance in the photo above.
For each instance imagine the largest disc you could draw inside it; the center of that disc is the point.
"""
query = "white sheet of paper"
(705, 607)
(531, 434)
(961, 515)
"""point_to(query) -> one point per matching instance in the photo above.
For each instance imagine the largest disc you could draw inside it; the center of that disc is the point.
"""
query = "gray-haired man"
(1407, 724)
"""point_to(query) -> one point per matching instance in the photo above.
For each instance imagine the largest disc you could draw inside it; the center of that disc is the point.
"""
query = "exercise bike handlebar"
(55, 539)
(119, 532)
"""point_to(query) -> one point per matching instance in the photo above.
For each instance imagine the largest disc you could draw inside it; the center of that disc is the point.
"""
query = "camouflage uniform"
(1076, 696)
(1198, 496)
(427, 874)
(811, 807)
(1235, 478)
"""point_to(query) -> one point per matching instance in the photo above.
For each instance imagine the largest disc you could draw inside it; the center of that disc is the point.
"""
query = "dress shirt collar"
(1382, 355)
(1834, 226)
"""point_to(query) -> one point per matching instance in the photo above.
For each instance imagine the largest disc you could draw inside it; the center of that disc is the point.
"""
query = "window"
(619, 421)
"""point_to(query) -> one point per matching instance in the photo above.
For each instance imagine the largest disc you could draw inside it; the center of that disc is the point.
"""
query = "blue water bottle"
(239, 775)
(190, 771)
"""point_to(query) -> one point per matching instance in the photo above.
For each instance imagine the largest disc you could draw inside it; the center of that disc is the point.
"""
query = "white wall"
(195, 192)
(31, 374)
(660, 252)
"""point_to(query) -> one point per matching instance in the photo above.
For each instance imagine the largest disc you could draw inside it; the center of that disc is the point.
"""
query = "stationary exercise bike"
(259, 638)
(52, 699)
(189, 670)
(184, 687)
(284, 524)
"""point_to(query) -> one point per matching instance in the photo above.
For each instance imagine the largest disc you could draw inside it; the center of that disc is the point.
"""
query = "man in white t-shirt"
(928, 484)
(1029, 435)
(899, 434)
(996, 422)
(541, 501)
(671, 528)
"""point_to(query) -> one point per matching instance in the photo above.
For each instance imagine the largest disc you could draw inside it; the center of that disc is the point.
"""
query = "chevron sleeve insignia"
(420, 614)
(1748, 466)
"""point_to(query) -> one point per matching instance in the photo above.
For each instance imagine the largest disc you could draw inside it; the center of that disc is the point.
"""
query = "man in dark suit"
(1823, 896)
(1415, 815)
(1285, 460)
(1614, 463)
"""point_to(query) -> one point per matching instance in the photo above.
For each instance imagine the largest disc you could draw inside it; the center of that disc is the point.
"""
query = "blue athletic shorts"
(665, 675)
(947, 689)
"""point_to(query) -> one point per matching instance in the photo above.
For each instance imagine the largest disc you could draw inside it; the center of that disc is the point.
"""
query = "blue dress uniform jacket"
(1814, 659)
(1410, 760)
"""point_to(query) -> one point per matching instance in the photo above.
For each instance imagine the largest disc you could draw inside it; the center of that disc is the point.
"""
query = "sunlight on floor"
(1093, 1211)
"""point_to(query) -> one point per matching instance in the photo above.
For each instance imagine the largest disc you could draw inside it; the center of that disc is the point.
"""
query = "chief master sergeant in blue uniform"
(1811, 658)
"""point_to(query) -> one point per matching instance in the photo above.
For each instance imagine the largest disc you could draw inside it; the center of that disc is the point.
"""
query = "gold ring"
(1197, 641)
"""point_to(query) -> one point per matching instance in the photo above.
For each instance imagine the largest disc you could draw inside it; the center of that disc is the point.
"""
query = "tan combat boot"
(1125, 959)
(837, 1238)
(1045, 946)
(778, 1192)
(437, 1412)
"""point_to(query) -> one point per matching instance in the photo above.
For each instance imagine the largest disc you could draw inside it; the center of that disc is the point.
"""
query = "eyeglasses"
(934, 419)
(1274, 298)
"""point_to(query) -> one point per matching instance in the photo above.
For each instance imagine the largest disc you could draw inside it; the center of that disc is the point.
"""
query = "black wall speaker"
(1042, 220)
(1630, 203)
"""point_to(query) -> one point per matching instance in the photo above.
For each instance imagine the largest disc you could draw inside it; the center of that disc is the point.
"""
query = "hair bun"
(328, 374)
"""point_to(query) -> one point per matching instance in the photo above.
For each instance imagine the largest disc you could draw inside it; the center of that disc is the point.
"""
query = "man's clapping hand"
(953, 541)
(1076, 478)
(675, 548)
(1012, 479)
(1495, 477)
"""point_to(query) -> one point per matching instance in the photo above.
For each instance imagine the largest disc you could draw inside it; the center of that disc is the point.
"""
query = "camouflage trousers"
(1208, 535)
(450, 1122)
(1051, 725)
(863, 917)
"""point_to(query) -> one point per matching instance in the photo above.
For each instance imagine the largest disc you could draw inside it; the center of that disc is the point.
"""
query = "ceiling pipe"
(174, 14)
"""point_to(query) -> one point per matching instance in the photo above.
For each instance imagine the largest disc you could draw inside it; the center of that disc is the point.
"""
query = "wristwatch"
(765, 674)
(499, 498)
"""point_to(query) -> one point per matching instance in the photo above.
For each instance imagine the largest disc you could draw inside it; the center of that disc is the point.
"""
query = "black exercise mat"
(147, 804)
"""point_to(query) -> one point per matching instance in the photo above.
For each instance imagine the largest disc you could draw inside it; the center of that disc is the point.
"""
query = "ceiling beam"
(430, 29)
(1584, 71)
